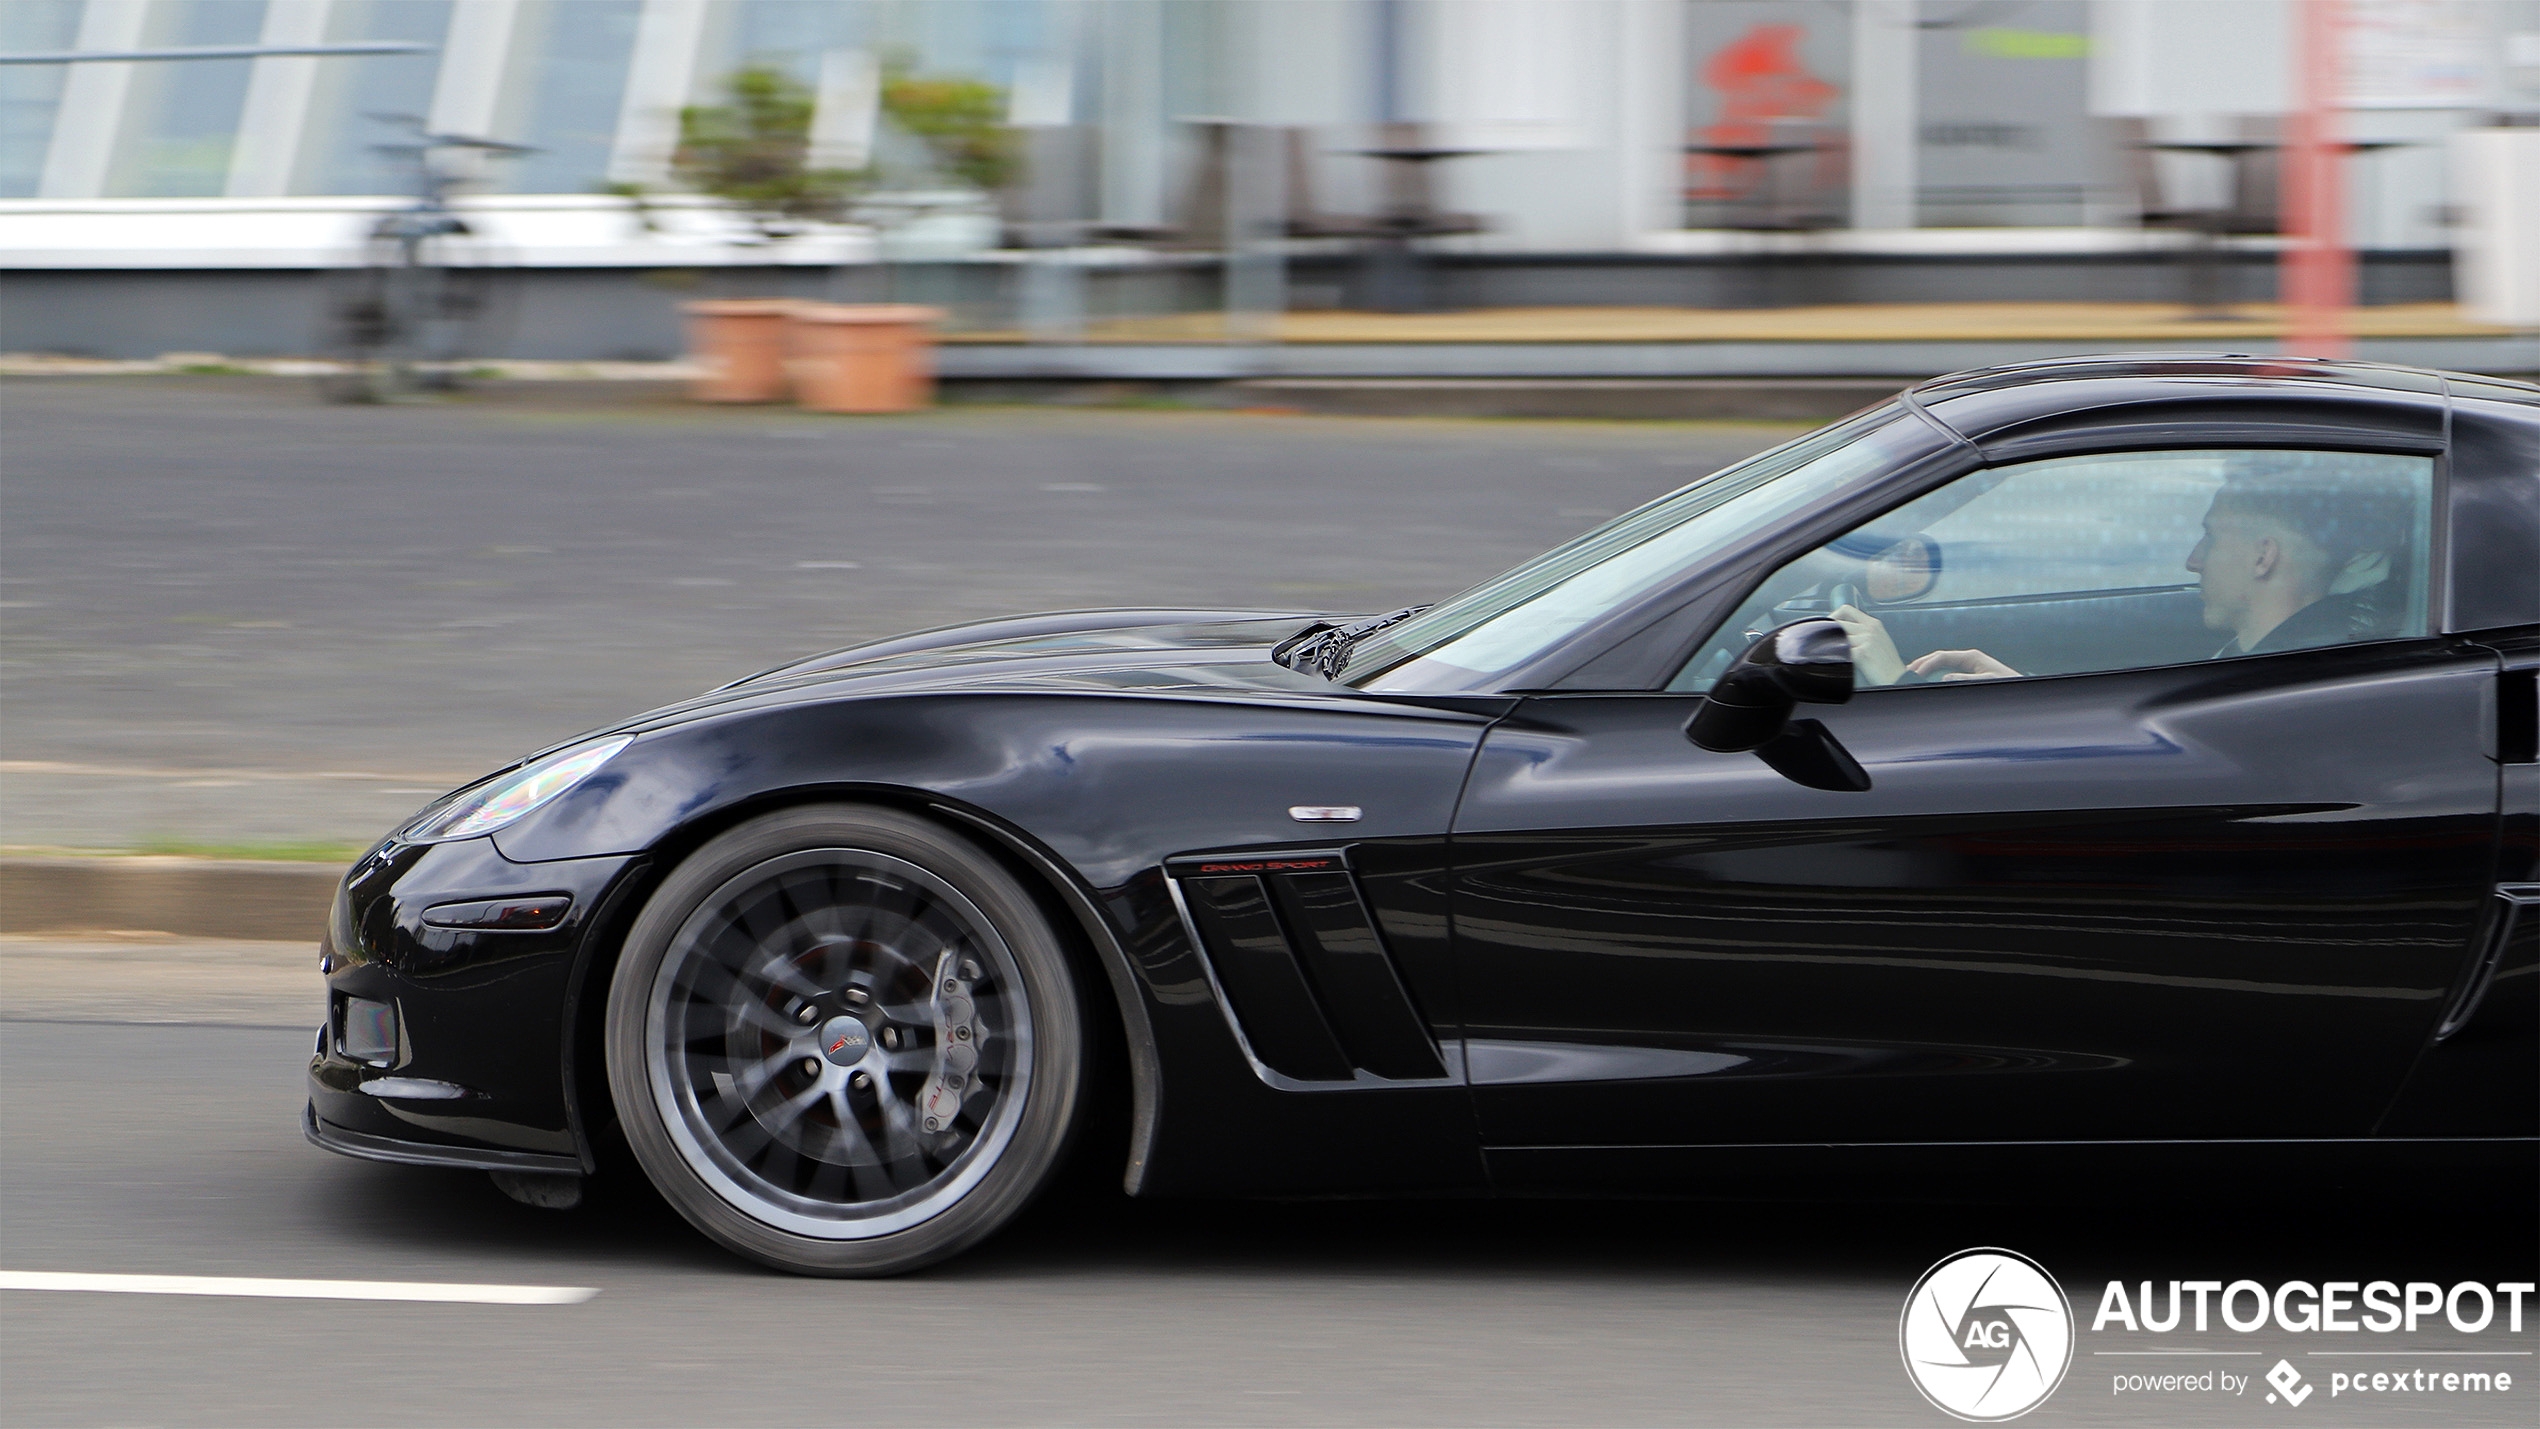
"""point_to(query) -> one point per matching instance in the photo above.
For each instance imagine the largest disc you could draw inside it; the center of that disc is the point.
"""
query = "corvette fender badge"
(1324, 813)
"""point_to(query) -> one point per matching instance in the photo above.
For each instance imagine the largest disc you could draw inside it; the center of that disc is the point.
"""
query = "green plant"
(961, 121)
(754, 153)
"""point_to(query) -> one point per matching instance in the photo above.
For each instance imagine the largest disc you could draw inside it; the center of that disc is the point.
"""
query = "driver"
(2286, 563)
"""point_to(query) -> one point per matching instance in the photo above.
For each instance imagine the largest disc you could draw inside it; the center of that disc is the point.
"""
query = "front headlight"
(500, 800)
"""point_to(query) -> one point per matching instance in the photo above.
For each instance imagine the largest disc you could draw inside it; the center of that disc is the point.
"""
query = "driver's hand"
(1961, 665)
(1874, 657)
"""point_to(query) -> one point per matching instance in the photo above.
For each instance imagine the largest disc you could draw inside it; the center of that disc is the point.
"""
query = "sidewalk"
(1897, 342)
(145, 894)
(2092, 324)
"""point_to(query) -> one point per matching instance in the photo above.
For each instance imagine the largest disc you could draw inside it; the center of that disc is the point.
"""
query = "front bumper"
(478, 1067)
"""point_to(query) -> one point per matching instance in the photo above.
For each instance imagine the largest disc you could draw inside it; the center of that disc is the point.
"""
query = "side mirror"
(1806, 661)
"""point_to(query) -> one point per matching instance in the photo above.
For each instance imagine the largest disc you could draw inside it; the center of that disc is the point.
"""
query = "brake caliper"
(957, 1040)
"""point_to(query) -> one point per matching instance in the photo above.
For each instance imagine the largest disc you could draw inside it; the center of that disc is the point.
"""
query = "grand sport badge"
(1986, 1335)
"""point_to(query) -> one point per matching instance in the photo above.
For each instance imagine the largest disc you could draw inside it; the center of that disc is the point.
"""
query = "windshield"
(1508, 621)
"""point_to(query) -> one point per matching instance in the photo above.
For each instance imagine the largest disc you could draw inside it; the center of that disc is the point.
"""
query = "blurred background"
(245, 631)
(1138, 180)
(502, 217)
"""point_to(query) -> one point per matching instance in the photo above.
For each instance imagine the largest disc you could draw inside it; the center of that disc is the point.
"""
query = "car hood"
(1193, 652)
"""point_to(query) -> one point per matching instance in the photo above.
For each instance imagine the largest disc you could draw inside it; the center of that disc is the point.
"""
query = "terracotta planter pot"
(876, 357)
(741, 342)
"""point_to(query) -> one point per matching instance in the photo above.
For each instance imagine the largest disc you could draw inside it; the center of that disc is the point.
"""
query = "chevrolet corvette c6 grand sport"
(2165, 780)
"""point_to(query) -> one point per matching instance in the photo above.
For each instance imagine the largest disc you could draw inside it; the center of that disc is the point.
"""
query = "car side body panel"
(1100, 787)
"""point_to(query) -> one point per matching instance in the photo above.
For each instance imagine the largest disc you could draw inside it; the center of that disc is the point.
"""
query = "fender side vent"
(1279, 1014)
(1306, 976)
(1362, 996)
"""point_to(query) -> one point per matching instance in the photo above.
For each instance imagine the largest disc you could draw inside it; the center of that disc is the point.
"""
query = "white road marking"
(296, 1289)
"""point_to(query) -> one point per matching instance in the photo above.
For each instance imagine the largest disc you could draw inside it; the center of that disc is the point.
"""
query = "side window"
(2112, 561)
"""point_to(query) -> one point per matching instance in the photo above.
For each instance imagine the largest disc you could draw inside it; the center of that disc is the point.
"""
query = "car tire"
(845, 1041)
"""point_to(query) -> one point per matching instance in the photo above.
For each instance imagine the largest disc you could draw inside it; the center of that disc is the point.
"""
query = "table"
(1397, 281)
(2203, 258)
(1760, 208)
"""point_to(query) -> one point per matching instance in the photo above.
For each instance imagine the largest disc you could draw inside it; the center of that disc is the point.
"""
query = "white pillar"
(1256, 207)
(847, 108)
(474, 54)
(1884, 113)
(658, 78)
(1651, 118)
(90, 113)
(2496, 173)
(277, 105)
(1132, 111)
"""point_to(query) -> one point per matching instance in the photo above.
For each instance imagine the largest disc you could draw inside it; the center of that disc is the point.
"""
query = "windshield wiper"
(1323, 648)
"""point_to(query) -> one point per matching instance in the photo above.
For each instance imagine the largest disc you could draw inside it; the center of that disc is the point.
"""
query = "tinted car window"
(2113, 561)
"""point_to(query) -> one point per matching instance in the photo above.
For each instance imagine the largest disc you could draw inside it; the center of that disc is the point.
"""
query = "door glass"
(2112, 561)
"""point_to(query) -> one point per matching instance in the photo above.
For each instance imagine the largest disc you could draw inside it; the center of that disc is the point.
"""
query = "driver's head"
(2286, 529)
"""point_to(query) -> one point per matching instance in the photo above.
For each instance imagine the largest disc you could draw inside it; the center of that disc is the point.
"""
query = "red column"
(2318, 273)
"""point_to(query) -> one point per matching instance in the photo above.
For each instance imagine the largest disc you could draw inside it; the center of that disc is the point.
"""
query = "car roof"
(2298, 373)
(1991, 401)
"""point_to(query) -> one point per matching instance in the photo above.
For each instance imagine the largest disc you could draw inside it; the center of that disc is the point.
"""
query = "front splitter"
(346, 1142)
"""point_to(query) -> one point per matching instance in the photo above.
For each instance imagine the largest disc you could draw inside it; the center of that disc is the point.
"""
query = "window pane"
(2113, 561)
(2082, 523)
(337, 154)
(790, 34)
(30, 93)
(568, 73)
(183, 114)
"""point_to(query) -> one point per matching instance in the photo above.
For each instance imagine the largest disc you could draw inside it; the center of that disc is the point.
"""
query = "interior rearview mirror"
(1908, 569)
(1806, 661)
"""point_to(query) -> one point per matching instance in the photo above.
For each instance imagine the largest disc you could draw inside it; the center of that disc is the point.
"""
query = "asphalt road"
(174, 1149)
(231, 614)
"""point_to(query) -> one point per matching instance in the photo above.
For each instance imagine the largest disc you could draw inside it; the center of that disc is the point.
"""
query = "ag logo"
(1986, 1335)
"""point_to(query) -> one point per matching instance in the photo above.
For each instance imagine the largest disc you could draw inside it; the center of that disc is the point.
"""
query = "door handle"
(2512, 735)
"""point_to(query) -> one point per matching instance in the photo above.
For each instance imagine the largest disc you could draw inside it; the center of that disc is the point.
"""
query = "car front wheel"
(844, 1041)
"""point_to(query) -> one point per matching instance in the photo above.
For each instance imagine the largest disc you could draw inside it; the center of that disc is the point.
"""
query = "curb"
(189, 897)
(1784, 399)
(1733, 399)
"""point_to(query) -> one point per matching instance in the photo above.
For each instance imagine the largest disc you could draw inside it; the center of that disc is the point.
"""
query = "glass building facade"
(1587, 125)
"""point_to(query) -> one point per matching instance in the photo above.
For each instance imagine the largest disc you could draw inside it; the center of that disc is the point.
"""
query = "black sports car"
(2168, 779)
